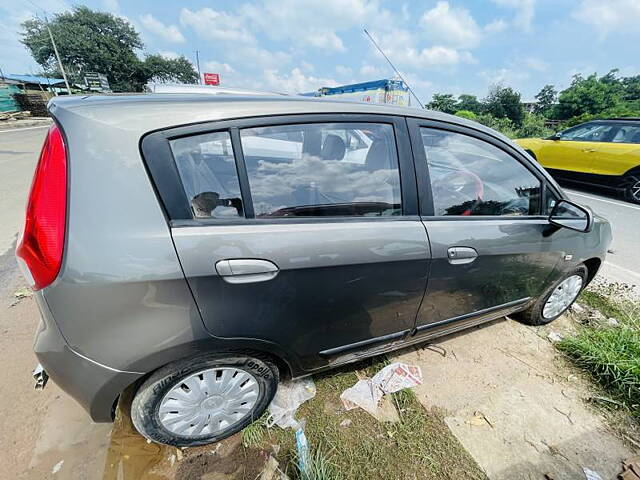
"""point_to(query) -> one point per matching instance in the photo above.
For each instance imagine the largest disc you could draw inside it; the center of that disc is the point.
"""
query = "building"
(389, 91)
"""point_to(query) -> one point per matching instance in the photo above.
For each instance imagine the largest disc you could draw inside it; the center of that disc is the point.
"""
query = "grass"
(420, 445)
(611, 354)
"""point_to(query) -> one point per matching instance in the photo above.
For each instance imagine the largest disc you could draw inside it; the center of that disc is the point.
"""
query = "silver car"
(194, 249)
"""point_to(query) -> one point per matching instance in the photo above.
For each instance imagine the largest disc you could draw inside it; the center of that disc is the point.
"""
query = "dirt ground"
(507, 396)
(516, 405)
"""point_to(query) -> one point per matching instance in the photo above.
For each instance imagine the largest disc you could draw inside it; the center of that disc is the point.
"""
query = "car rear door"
(292, 237)
(484, 208)
(619, 152)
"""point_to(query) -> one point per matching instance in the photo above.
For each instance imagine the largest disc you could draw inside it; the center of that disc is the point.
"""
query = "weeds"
(611, 354)
(254, 434)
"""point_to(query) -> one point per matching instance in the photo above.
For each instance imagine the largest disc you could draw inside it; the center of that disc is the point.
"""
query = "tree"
(92, 41)
(162, 69)
(443, 102)
(546, 99)
(590, 95)
(504, 102)
(469, 103)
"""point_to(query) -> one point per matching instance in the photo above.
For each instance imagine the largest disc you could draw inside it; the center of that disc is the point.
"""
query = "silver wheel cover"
(562, 296)
(208, 402)
(635, 190)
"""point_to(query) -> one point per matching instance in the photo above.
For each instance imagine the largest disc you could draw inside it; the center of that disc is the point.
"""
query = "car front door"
(483, 207)
(290, 242)
(618, 153)
(576, 148)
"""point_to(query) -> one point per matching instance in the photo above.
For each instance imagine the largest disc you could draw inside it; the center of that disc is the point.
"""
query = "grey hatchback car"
(193, 249)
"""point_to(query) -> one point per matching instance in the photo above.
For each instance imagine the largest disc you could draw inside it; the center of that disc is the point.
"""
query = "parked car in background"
(196, 258)
(601, 152)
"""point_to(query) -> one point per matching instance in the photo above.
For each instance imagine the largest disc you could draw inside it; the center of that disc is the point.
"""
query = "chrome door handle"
(461, 255)
(246, 270)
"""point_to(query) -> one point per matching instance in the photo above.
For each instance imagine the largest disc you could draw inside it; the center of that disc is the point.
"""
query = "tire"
(252, 382)
(534, 315)
(631, 185)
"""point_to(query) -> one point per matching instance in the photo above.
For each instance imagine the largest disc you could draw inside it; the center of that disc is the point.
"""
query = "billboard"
(211, 79)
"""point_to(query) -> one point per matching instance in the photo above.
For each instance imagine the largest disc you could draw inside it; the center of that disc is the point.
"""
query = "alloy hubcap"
(562, 296)
(208, 402)
(635, 190)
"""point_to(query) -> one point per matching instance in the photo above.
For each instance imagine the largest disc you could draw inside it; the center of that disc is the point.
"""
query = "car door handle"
(588, 150)
(246, 270)
(461, 255)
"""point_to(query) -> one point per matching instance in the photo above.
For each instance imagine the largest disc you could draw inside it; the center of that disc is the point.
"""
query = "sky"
(440, 46)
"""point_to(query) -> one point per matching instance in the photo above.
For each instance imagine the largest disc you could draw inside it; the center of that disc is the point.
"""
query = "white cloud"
(400, 45)
(170, 33)
(370, 71)
(215, 25)
(609, 16)
(343, 71)
(536, 64)
(217, 67)
(525, 11)
(495, 26)
(316, 24)
(454, 27)
(169, 54)
(111, 5)
(504, 76)
(295, 81)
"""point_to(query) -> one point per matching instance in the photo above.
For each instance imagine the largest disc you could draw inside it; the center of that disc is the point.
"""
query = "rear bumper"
(94, 386)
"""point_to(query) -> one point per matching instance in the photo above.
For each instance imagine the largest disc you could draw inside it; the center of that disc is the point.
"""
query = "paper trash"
(288, 398)
(366, 394)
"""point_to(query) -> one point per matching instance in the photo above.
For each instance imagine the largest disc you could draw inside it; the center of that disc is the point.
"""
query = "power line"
(394, 68)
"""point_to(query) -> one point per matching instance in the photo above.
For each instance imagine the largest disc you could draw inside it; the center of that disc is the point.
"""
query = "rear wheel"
(631, 186)
(203, 400)
(556, 299)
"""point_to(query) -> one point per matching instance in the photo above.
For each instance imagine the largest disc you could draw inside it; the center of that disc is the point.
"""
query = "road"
(623, 261)
(19, 151)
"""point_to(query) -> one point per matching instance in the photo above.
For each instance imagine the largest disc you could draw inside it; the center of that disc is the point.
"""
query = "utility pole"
(55, 50)
(198, 66)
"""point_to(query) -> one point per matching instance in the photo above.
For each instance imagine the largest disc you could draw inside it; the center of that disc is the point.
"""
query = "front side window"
(322, 169)
(207, 169)
(593, 132)
(472, 177)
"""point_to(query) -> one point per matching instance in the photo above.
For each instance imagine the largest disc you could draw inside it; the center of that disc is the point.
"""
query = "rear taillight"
(42, 242)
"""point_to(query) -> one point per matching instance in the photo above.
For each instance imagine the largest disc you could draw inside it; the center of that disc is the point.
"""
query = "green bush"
(466, 114)
(533, 126)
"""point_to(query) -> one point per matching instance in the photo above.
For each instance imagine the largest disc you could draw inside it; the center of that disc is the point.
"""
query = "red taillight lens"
(42, 241)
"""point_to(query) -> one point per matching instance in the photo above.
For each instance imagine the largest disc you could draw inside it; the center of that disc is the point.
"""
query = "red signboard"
(211, 79)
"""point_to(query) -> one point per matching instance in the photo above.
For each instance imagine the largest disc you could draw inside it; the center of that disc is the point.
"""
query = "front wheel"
(556, 299)
(203, 400)
(631, 186)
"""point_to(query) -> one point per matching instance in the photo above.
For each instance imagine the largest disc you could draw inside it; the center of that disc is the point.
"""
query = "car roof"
(615, 120)
(226, 106)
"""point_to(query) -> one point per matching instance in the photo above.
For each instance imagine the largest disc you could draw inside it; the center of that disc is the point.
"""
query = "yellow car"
(601, 152)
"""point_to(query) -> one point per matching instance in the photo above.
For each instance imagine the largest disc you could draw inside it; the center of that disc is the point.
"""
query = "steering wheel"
(462, 185)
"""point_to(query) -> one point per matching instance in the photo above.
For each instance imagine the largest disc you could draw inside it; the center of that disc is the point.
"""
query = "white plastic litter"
(590, 474)
(288, 398)
(366, 394)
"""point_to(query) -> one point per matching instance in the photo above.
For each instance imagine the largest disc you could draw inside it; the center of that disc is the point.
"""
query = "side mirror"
(570, 215)
(555, 136)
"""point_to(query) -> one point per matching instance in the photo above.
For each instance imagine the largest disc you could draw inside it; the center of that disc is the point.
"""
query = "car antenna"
(393, 66)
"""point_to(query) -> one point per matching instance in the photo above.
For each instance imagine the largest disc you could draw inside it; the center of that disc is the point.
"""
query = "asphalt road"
(623, 261)
(19, 152)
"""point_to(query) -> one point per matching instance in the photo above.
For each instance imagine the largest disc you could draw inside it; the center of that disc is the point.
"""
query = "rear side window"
(207, 168)
(322, 169)
(472, 177)
(627, 134)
